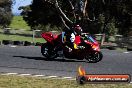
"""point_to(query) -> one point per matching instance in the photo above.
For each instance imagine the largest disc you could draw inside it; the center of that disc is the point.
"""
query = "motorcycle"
(87, 48)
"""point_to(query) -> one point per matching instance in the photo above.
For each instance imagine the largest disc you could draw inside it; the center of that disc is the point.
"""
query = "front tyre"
(48, 51)
(94, 57)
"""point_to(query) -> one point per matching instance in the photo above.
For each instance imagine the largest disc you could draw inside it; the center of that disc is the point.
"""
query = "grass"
(19, 38)
(19, 26)
(18, 23)
(34, 82)
(121, 49)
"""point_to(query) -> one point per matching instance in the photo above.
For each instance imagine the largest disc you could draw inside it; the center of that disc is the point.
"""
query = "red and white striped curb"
(43, 76)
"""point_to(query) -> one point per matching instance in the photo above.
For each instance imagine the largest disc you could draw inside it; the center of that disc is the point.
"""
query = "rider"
(68, 37)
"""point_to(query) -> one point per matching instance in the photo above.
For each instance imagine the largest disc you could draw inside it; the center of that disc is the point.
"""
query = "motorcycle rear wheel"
(48, 51)
(94, 57)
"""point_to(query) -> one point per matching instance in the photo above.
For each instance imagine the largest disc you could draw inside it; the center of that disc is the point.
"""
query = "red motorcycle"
(87, 48)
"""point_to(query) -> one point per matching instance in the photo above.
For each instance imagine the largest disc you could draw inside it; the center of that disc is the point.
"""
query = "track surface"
(28, 60)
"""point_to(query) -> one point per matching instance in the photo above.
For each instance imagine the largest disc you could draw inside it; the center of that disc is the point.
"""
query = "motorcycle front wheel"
(48, 51)
(94, 57)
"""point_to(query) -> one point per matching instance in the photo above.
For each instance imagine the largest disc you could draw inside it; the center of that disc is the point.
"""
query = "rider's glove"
(69, 49)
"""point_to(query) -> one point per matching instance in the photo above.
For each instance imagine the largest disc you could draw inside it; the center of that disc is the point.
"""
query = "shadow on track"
(45, 59)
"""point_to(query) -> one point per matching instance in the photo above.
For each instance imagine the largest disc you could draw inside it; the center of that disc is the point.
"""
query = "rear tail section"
(48, 36)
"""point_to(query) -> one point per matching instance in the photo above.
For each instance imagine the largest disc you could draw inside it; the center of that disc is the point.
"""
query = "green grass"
(19, 26)
(33, 82)
(18, 23)
(19, 38)
(121, 49)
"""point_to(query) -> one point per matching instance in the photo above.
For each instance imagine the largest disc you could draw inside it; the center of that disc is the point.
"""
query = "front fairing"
(90, 40)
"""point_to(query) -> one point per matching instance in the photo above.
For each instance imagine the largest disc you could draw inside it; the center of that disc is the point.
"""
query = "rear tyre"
(94, 57)
(48, 51)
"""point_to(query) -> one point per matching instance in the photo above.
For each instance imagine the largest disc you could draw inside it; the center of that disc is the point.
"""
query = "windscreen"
(91, 39)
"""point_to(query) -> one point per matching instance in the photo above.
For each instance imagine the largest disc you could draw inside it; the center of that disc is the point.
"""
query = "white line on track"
(39, 75)
(52, 76)
(126, 52)
(10, 74)
(67, 77)
(13, 46)
(44, 76)
(25, 74)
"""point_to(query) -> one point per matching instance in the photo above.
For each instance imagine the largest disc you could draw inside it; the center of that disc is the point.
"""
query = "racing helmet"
(78, 29)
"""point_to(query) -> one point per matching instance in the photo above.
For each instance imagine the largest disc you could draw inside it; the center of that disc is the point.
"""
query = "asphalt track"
(28, 60)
